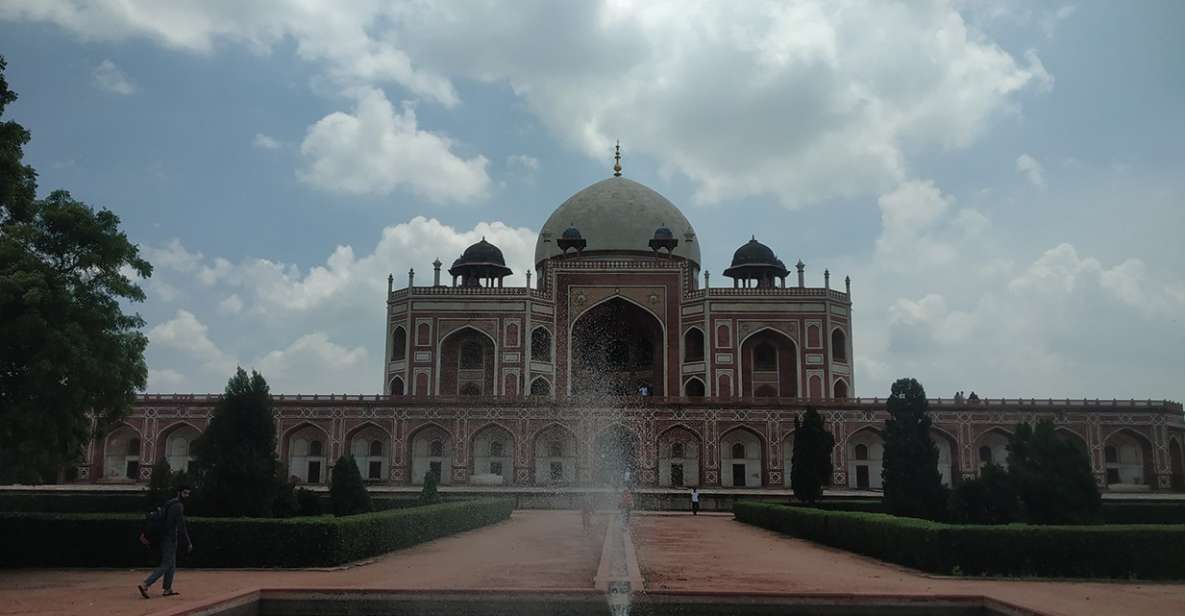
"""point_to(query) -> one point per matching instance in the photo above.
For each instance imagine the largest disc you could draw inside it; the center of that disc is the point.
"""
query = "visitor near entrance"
(171, 531)
(695, 501)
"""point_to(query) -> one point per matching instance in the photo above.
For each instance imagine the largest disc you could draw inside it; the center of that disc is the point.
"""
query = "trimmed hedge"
(1112, 551)
(111, 540)
(137, 502)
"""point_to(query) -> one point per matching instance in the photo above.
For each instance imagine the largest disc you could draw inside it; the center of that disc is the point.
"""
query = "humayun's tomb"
(491, 385)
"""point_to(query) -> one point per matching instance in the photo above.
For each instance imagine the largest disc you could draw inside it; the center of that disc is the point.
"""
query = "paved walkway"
(715, 552)
(533, 550)
(537, 550)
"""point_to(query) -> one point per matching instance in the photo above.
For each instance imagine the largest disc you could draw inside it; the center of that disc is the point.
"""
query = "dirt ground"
(715, 552)
(533, 550)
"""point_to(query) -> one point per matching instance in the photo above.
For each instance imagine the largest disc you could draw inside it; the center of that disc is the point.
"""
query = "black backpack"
(154, 522)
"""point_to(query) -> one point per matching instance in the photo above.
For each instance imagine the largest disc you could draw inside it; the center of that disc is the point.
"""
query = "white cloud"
(314, 364)
(522, 162)
(803, 102)
(111, 78)
(187, 335)
(1031, 169)
(263, 142)
(232, 304)
(166, 380)
(376, 150)
(918, 230)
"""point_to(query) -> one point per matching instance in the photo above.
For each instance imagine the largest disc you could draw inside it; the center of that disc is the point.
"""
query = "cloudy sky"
(1002, 180)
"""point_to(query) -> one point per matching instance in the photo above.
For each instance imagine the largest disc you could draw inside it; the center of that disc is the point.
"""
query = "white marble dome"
(617, 215)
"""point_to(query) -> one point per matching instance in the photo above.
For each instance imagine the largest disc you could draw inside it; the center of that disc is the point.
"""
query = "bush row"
(1113, 512)
(138, 502)
(110, 540)
(1113, 551)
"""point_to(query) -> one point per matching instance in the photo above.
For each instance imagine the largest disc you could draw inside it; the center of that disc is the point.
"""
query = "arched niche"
(679, 453)
(541, 344)
(693, 345)
(399, 344)
(617, 347)
(555, 456)
(540, 387)
(865, 452)
(492, 456)
(839, 345)
(121, 454)
(371, 447)
(840, 390)
(177, 445)
(693, 388)
(769, 365)
(431, 452)
(992, 448)
(467, 358)
(741, 459)
(308, 451)
(397, 386)
(1127, 461)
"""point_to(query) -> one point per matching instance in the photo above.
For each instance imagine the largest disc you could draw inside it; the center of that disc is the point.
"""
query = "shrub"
(347, 493)
(912, 483)
(810, 467)
(235, 466)
(429, 495)
(285, 504)
(987, 499)
(1051, 476)
(109, 540)
(1146, 552)
(308, 502)
(160, 484)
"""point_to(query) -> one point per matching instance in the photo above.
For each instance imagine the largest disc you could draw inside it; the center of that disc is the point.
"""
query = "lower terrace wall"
(1152, 435)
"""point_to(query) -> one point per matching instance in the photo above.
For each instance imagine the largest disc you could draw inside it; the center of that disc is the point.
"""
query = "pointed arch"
(839, 345)
(554, 454)
(305, 452)
(747, 470)
(398, 387)
(434, 456)
(399, 343)
(991, 446)
(541, 344)
(177, 453)
(541, 386)
(656, 379)
(492, 455)
(864, 451)
(1128, 459)
(693, 344)
(370, 445)
(694, 387)
(788, 373)
(447, 355)
(839, 390)
(122, 448)
(948, 454)
(679, 455)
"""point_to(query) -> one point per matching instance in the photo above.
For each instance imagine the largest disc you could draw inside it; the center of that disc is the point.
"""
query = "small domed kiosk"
(480, 263)
(756, 265)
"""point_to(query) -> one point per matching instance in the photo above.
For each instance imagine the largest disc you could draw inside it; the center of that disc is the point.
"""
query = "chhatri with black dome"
(755, 264)
(480, 262)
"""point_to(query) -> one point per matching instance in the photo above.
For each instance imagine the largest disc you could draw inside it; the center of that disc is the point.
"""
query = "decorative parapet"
(876, 403)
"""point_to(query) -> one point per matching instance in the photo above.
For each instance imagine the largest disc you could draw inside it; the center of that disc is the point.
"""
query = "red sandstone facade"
(522, 386)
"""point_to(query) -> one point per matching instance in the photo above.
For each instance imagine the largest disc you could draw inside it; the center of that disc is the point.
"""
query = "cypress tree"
(235, 467)
(912, 483)
(347, 493)
(428, 494)
(1052, 476)
(810, 463)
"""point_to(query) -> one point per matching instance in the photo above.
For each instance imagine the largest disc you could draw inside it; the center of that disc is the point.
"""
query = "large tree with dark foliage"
(1052, 476)
(810, 462)
(912, 483)
(347, 492)
(987, 499)
(234, 467)
(71, 360)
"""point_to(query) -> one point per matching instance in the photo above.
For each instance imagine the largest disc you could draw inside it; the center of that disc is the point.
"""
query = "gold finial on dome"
(617, 160)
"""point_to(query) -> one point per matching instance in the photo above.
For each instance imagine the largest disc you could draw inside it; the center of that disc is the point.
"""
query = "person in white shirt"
(695, 501)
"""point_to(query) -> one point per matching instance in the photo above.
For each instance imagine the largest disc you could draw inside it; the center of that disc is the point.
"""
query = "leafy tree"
(235, 467)
(912, 483)
(347, 493)
(1052, 476)
(160, 484)
(308, 502)
(428, 494)
(810, 463)
(987, 499)
(68, 352)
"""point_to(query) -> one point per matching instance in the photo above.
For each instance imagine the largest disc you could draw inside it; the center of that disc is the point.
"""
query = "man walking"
(694, 501)
(173, 531)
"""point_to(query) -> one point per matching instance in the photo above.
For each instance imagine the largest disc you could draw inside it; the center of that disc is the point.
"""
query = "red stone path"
(537, 550)
(533, 550)
(715, 552)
